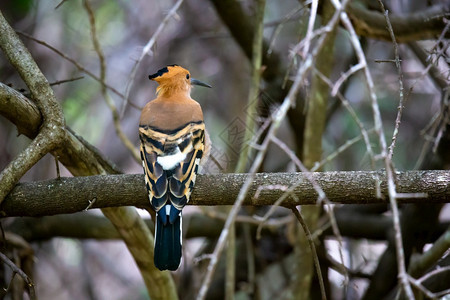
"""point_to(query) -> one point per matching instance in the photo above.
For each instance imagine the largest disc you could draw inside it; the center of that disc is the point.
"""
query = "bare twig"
(17, 270)
(358, 122)
(230, 273)
(66, 80)
(309, 31)
(423, 262)
(338, 151)
(321, 196)
(115, 114)
(91, 202)
(73, 61)
(418, 283)
(400, 82)
(146, 51)
(279, 25)
(437, 123)
(344, 77)
(250, 259)
(387, 161)
(263, 221)
(385, 61)
(422, 24)
(60, 3)
(313, 250)
(277, 116)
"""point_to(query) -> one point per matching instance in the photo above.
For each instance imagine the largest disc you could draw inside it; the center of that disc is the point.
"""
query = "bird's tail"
(167, 242)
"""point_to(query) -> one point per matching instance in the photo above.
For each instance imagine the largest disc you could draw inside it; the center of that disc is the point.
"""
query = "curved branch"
(72, 194)
(52, 131)
(422, 25)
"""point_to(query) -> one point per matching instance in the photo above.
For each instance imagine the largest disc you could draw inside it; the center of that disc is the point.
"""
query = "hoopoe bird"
(173, 141)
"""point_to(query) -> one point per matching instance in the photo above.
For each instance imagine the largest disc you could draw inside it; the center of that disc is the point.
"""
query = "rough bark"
(69, 195)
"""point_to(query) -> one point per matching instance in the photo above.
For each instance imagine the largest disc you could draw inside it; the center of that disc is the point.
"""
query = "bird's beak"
(198, 82)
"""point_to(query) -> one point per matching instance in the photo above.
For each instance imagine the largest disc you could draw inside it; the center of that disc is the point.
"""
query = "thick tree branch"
(10, 98)
(422, 25)
(69, 195)
(86, 225)
(78, 156)
(52, 130)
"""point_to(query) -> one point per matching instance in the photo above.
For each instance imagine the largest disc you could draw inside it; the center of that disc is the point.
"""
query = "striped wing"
(170, 160)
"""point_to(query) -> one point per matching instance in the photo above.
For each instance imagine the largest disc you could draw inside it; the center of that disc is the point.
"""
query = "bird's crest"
(171, 78)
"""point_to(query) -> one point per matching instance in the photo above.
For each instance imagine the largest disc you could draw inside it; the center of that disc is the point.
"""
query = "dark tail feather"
(167, 243)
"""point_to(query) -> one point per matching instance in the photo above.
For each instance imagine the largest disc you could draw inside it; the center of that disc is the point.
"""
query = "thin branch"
(309, 31)
(278, 116)
(279, 25)
(423, 262)
(147, 51)
(115, 114)
(313, 250)
(17, 270)
(250, 256)
(66, 80)
(288, 192)
(344, 77)
(387, 161)
(73, 61)
(338, 151)
(355, 117)
(321, 197)
(418, 283)
(60, 3)
(252, 220)
(400, 81)
(230, 273)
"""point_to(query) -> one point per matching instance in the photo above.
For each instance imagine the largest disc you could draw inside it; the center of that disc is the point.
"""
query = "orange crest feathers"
(171, 79)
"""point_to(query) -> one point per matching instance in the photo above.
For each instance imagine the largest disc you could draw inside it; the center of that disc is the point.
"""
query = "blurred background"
(198, 39)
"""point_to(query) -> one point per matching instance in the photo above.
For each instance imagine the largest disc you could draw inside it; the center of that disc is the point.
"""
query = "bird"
(173, 140)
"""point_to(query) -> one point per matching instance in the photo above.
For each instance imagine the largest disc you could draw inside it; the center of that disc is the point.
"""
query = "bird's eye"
(187, 76)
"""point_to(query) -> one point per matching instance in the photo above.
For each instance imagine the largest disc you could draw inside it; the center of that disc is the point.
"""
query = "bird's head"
(172, 79)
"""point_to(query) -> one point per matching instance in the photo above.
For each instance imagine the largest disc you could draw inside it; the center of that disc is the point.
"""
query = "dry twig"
(17, 270)
(384, 154)
(277, 117)
(109, 101)
(313, 250)
(146, 51)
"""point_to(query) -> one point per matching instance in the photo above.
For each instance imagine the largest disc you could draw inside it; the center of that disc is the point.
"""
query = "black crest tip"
(160, 72)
